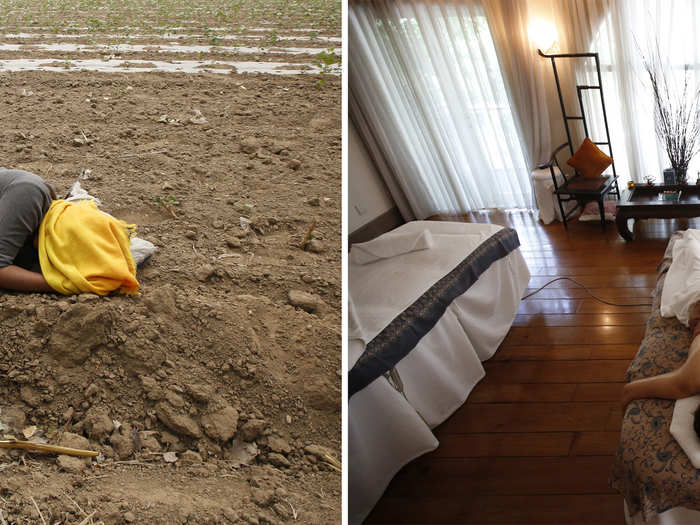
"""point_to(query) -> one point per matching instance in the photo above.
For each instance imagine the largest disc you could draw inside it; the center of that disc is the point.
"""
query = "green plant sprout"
(168, 203)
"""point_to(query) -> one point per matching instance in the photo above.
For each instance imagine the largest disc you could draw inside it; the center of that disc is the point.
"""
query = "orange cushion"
(589, 161)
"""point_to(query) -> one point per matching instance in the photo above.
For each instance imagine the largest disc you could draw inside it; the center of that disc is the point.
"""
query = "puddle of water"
(171, 36)
(177, 48)
(180, 66)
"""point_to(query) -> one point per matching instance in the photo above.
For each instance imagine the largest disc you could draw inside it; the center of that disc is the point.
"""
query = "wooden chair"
(581, 189)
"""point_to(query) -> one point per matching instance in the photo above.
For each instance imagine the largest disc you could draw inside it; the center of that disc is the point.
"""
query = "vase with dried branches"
(676, 114)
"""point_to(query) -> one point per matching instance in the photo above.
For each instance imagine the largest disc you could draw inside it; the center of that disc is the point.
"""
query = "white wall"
(368, 196)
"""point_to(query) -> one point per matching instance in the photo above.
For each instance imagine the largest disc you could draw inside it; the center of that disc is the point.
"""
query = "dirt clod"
(312, 303)
(177, 422)
(222, 424)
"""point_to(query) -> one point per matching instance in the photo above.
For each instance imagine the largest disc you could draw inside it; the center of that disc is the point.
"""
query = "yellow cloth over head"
(82, 249)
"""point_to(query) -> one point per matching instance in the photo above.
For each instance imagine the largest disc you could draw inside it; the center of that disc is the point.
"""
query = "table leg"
(622, 228)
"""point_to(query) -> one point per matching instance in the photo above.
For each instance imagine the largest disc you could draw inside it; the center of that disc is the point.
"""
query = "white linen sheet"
(682, 285)
(390, 245)
(386, 429)
(385, 288)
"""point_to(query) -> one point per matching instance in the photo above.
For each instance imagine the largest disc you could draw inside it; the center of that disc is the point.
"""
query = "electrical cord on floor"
(585, 288)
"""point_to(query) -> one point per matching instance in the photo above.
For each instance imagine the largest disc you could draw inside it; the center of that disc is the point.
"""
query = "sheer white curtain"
(427, 77)
(621, 31)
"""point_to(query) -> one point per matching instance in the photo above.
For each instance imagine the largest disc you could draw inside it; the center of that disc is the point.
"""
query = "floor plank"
(595, 443)
(529, 417)
(589, 371)
(534, 442)
(562, 335)
(461, 477)
(621, 319)
(565, 352)
(511, 444)
(573, 509)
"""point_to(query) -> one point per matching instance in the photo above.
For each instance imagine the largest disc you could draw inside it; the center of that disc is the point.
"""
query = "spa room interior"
(522, 195)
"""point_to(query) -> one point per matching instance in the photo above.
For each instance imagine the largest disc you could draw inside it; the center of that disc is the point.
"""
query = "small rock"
(218, 224)
(294, 164)
(129, 517)
(315, 246)
(250, 145)
(190, 457)
(13, 417)
(282, 510)
(91, 390)
(71, 463)
(278, 444)
(30, 395)
(98, 425)
(170, 457)
(314, 201)
(308, 279)
(151, 388)
(278, 460)
(169, 439)
(71, 440)
(262, 497)
(191, 234)
(199, 392)
(222, 424)
(312, 303)
(123, 446)
(205, 272)
(230, 514)
(174, 399)
(167, 186)
(252, 429)
(233, 243)
(178, 423)
(149, 441)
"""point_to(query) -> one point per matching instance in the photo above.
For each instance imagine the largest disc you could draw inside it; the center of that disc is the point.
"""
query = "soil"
(231, 356)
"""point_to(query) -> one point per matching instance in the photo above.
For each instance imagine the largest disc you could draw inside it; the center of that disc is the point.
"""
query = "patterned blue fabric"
(403, 333)
(650, 469)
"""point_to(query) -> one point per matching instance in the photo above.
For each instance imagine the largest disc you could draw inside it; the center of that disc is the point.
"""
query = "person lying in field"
(24, 200)
(48, 245)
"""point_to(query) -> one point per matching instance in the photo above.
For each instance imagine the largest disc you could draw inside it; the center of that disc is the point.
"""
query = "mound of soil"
(214, 396)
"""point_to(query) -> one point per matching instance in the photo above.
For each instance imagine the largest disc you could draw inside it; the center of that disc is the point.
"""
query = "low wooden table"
(644, 202)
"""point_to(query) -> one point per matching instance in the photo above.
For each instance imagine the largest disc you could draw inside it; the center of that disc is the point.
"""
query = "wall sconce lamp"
(543, 34)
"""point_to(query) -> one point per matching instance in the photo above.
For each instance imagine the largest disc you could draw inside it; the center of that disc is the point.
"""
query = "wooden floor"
(534, 442)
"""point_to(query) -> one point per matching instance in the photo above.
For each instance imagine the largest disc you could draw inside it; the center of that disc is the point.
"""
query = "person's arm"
(673, 385)
(20, 280)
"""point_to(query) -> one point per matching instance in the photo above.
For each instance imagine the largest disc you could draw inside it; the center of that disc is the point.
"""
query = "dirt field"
(230, 358)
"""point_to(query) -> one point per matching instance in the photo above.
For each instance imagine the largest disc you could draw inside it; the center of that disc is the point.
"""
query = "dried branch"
(676, 113)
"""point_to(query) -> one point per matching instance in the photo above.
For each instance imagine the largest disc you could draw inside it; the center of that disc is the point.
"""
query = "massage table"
(650, 470)
(421, 324)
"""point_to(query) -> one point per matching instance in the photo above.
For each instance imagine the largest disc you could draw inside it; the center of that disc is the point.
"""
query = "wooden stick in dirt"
(37, 509)
(307, 237)
(42, 447)
(332, 462)
(88, 518)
